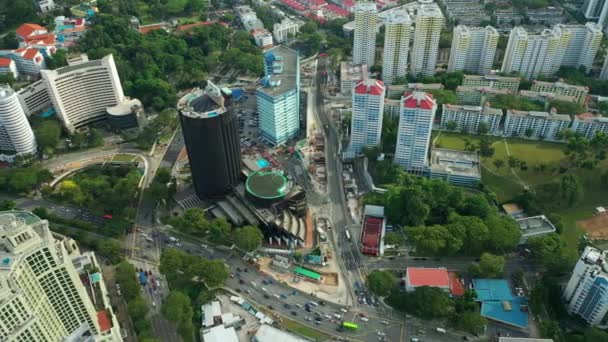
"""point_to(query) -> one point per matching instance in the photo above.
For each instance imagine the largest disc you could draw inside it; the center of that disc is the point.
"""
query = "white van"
(441, 330)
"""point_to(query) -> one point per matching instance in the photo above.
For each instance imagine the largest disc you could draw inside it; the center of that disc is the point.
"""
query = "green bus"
(350, 325)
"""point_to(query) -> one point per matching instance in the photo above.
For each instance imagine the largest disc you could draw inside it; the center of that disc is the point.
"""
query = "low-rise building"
(262, 38)
(561, 88)
(248, 18)
(460, 168)
(267, 333)
(469, 118)
(285, 29)
(545, 97)
(8, 66)
(478, 96)
(434, 277)
(534, 226)
(219, 334)
(588, 125)
(492, 81)
(29, 61)
(373, 230)
(535, 125)
(69, 30)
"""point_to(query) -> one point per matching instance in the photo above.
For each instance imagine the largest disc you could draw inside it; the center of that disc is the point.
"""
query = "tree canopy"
(380, 282)
(248, 238)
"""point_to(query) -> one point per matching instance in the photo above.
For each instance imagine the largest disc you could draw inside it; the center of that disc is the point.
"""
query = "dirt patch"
(596, 226)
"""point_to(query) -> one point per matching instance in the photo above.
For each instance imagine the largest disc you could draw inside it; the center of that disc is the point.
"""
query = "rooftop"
(465, 163)
(282, 68)
(369, 86)
(523, 339)
(209, 312)
(436, 277)
(418, 99)
(124, 108)
(352, 72)
(559, 84)
(374, 210)
(220, 334)
(267, 184)
(204, 103)
(512, 208)
(541, 115)
(534, 226)
(27, 29)
(499, 304)
(482, 89)
(464, 108)
(266, 333)
(589, 117)
(491, 78)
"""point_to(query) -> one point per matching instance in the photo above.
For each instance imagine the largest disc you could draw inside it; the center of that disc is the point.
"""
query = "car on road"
(266, 296)
(343, 310)
(364, 319)
(294, 313)
(415, 339)
(270, 307)
(380, 333)
(241, 281)
(299, 305)
(286, 306)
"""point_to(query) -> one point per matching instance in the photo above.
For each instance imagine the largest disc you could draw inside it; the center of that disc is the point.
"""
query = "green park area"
(539, 166)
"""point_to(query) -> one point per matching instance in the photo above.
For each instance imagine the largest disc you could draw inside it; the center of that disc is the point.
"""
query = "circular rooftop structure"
(267, 185)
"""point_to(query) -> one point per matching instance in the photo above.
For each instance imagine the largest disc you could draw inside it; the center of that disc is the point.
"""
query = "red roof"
(149, 28)
(437, 277)
(337, 10)
(369, 86)
(371, 234)
(104, 321)
(41, 39)
(348, 3)
(294, 4)
(26, 30)
(30, 53)
(418, 99)
(456, 287)
(5, 62)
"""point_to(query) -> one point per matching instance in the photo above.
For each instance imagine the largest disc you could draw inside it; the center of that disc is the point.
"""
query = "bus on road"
(347, 233)
(350, 325)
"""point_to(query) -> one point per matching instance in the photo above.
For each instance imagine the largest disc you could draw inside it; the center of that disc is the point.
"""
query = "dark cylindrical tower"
(212, 140)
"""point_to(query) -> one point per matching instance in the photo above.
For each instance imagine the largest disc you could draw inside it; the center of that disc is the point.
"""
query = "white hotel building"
(397, 36)
(543, 125)
(469, 117)
(16, 135)
(49, 291)
(81, 92)
(364, 43)
(588, 125)
(367, 114)
(473, 49)
(429, 22)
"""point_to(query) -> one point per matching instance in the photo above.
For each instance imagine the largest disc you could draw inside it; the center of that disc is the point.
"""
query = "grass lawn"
(120, 157)
(506, 185)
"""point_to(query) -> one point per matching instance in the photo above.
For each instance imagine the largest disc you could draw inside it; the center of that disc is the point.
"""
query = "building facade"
(586, 294)
(364, 43)
(397, 29)
(535, 125)
(29, 61)
(285, 29)
(414, 132)
(47, 291)
(492, 81)
(468, 118)
(278, 99)
(579, 93)
(81, 92)
(368, 110)
(262, 38)
(583, 46)
(533, 55)
(588, 125)
(351, 73)
(8, 66)
(473, 49)
(16, 135)
(478, 96)
(604, 72)
(212, 140)
(429, 22)
(35, 98)
(459, 168)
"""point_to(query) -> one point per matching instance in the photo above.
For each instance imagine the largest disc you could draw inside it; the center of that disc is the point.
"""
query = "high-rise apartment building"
(604, 71)
(429, 22)
(16, 135)
(579, 93)
(212, 140)
(469, 118)
(364, 43)
(596, 10)
(473, 49)
(397, 29)
(82, 91)
(588, 125)
(278, 99)
(583, 45)
(368, 109)
(535, 55)
(586, 294)
(535, 125)
(48, 289)
(414, 132)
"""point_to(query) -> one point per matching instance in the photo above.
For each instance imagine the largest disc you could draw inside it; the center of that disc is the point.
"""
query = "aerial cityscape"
(303, 170)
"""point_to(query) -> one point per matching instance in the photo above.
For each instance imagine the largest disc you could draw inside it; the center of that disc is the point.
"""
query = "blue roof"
(499, 304)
